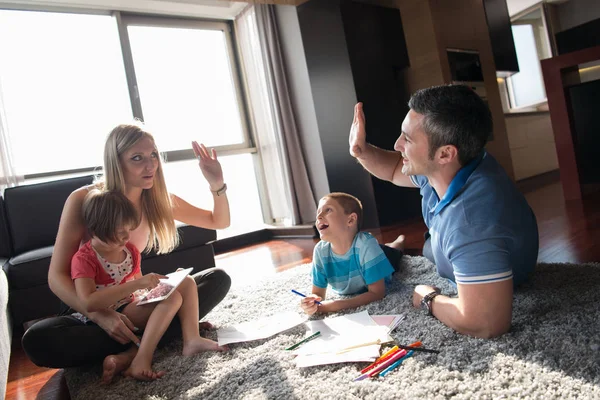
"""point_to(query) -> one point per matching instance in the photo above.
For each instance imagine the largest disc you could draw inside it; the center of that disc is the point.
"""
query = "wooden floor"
(569, 232)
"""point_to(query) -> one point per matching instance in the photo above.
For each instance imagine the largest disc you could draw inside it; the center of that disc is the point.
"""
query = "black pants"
(65, 341)
(393, 255)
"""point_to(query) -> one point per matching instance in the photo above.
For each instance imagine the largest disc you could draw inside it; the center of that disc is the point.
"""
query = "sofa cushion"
(189, 236)
(29, 269)
(5, 250)
(33, 211)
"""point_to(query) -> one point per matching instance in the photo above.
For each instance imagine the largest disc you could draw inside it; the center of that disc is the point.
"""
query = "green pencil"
(311, 337)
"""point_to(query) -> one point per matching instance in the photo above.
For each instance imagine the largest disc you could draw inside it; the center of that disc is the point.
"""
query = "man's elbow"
(491, 330)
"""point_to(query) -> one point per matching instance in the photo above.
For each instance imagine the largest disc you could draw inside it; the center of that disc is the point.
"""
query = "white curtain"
(8, 174)
(288, 186)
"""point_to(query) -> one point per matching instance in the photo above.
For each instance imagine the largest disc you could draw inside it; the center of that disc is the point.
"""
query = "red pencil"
(398, 355)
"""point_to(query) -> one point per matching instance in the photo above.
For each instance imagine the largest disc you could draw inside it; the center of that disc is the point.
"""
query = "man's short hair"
(456, 115)
(350, 204)
(104, 212)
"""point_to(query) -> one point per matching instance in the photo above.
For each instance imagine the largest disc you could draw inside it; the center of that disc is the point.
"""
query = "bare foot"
(397, 244)
(200, 344)
(115, 364)
(142, 371)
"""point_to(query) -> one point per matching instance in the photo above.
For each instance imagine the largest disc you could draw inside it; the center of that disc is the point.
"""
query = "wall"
(516, 6)
(334, 97)
(576, 12)
(532, 144)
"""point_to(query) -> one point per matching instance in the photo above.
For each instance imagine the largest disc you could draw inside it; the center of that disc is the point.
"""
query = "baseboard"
(221, 246)
(538, 181)
(295, 232)
(232, 243)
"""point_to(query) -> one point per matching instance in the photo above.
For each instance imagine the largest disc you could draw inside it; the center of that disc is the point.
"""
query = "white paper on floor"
(259, 329)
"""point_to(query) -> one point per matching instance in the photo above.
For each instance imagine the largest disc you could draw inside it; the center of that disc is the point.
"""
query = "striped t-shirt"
(362, 265)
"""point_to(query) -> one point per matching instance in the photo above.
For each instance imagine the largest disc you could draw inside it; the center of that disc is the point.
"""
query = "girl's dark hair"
(456, 115)
(105, 212)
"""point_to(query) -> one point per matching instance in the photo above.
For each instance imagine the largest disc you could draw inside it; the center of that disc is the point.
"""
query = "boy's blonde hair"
(104, 213)
(157, 206)
(350, 204)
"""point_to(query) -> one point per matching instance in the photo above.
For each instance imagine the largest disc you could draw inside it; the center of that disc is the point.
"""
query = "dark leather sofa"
(29, 218)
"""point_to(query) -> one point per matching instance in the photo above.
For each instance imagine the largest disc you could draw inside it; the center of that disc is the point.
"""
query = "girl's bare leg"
(158, 320)
(188, 315)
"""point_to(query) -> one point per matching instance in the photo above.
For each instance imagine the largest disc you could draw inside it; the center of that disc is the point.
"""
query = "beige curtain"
(288, 185)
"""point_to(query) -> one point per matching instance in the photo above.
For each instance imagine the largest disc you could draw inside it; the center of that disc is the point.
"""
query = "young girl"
(106, 271)
(132, 166)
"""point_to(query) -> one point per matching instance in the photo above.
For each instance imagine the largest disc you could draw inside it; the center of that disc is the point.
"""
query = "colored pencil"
(380, 359)
(396, 364)
(306, 339)
(303, 295)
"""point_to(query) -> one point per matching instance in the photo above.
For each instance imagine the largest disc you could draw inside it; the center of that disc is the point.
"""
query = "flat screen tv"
(465, 65)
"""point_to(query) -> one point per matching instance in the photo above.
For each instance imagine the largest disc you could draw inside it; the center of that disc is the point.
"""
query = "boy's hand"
(150, 281)
(308, 304)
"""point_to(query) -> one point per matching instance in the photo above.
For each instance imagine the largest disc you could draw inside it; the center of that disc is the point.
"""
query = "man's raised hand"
(358, 135)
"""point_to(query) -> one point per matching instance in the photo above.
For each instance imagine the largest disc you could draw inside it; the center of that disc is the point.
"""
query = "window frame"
(122, 19)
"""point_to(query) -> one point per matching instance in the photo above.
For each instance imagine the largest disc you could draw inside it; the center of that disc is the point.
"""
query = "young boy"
(350, 261)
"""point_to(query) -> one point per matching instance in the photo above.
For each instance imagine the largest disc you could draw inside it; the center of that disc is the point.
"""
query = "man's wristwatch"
(221, 191)
(427, 299)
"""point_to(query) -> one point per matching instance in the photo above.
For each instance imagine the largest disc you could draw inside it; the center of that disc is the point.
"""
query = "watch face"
(424, 304)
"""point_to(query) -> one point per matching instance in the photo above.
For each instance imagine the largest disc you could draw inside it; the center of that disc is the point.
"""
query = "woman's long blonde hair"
(157, 206)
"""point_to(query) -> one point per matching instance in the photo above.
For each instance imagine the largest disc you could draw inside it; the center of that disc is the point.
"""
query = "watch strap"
(427, 299)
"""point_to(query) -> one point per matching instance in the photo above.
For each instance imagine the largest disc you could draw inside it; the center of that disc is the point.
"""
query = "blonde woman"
(132, 165)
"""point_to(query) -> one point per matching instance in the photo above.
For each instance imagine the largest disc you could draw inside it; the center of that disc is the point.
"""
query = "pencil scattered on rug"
(552, 350)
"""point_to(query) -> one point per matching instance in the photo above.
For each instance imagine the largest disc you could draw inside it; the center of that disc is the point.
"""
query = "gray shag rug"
(551, 351)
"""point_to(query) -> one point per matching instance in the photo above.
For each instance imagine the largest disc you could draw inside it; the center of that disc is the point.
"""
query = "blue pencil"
(395, 365)
(303, 295)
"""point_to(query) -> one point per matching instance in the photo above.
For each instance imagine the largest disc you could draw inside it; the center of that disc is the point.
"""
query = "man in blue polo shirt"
(483, 235)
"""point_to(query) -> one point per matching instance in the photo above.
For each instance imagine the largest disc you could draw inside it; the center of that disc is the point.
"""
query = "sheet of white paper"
(361, 354)
(343, 332)
(259, 329)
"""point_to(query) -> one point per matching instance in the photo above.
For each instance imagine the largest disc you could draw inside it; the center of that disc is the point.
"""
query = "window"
(530, 34)
(62, 92)
(68, 78)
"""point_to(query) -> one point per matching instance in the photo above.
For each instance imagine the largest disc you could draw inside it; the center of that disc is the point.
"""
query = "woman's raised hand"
(209, 165)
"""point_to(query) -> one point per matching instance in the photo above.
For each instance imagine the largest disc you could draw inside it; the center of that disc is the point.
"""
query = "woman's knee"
(215, 277)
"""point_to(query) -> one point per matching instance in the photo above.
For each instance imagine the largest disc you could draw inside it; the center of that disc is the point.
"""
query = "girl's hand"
(209, 165)
(150, 281)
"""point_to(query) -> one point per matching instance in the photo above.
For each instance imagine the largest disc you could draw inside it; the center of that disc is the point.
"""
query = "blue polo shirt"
(482, 230)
